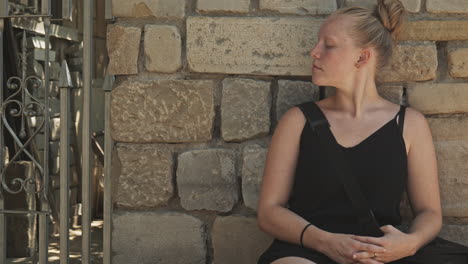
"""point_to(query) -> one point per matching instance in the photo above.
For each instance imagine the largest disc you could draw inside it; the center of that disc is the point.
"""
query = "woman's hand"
(341, 247)
(397, 244)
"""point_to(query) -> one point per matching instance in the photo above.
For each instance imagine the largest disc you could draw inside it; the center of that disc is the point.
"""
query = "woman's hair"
(378, 28)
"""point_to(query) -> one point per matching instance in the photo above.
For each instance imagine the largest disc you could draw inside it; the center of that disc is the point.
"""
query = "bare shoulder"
(292, 121)
(416, 126)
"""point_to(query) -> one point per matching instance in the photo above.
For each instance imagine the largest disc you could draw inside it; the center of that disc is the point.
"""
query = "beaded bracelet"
(302, 234)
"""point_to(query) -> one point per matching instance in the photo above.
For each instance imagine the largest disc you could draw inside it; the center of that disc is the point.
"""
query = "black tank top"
(379, 163)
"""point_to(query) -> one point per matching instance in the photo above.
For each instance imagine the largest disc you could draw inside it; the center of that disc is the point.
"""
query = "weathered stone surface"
(251, 45)
(412, 6)
(238, 6)
(435, 30)
(123, 45)
(144, 8)
(245, 109)
(157, 237)
(163, 48)
(455, 233)
(438, 97)
(143, 176)
(453, 176)
(411, 63)
(458, 62)
(309, 7)
(237, 239)
(449, 128)
(291, 93)
(206, 179)
(444, 6)
(252, 174)
(162, 111)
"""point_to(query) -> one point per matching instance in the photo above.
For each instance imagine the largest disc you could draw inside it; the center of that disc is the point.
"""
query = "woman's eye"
(328, 46)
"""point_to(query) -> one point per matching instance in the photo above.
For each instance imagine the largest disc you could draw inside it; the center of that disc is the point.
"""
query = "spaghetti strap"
(401, 117)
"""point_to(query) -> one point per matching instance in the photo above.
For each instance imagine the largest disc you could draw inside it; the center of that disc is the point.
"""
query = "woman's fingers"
(366, 239)
(363, 255)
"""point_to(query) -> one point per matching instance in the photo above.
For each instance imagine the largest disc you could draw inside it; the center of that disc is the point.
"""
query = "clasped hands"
(345, 248)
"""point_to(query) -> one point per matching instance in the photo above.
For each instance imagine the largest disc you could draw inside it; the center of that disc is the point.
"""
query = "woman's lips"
(316, 68)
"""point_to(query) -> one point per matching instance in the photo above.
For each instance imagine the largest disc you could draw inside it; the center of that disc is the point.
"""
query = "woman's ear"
(363, 58)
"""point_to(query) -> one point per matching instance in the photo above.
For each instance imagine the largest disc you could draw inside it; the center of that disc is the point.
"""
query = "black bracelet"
(302, 234)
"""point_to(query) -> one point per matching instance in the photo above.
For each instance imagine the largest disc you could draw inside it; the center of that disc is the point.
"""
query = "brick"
(142, 176)
(251, 45)
(245, 109)
(206, 179)
(447, 6)
(453, 172)
(123, 46)
(163, 48)
(303, 7)
(162, 111)
(438, 97)
(442, 30)
(157, 237)
(458, 62)
(291, 93)
(238, 6)
(449, 128)
(252, 174)
(455, 233)
(411, 63)
(412, 6)
(237, 239)
(145, 8)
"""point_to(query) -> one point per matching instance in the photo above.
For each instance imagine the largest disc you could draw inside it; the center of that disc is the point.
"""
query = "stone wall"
(200, 87)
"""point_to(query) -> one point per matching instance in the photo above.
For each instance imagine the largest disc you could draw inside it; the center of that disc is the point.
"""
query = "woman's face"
(335, 54)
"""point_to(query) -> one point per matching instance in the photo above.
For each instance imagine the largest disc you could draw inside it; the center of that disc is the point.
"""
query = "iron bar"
(3, 12)
(107, 246)
(108, 10)
(24, 212)
(66, 9)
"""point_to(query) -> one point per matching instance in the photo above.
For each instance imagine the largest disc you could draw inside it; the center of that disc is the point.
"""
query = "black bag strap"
(330, 147)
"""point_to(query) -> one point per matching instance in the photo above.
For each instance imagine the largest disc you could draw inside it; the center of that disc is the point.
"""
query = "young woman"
(386, 152)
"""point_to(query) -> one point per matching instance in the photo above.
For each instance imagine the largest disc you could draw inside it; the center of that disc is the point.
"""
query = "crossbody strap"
(329, 146)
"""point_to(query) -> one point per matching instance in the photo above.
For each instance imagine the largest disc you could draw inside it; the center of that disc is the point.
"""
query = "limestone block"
(238, 6)
(157, 237)
(237, 239)
(252, 174)
(123, 46)
(448, 128)
(436, 30)
(291, 93)
(162, 111)
(143, 176)
(412, 6)
(303, 7)
(251, 45)
(411, 63)
(163, 48)
(439, 97)
(447, 6)
(458, 59)
(245, 109)
(145, 8)
(206, 179)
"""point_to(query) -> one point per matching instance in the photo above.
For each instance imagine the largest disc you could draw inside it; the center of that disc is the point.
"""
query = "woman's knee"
(292, 260)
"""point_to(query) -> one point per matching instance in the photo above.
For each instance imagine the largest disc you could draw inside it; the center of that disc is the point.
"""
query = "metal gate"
(26, 120)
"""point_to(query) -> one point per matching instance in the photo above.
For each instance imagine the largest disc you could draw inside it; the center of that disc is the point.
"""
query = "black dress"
(380, 165)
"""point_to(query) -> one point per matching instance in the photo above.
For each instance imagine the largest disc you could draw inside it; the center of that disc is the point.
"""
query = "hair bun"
(391, 13)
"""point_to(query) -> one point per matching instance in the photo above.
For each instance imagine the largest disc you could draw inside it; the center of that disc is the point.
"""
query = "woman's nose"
(314, 53)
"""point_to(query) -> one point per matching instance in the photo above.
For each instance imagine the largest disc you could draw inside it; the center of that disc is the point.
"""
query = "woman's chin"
(318, 81)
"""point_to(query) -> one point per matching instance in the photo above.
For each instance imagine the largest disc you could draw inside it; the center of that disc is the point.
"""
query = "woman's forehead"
(335, 27)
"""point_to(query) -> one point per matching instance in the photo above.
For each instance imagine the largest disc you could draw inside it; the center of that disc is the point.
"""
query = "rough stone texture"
(444, 6)
(291, 93)
(145, 8)
(163, 48)
(206, 179)
(123, 45)
(251, 45)
(449, 128)
(411, 63)
(245, 109)
(412, 6)
(144, 177)
(455, 233)
(453, 176)
(439, 97)
(252, 174)
(238, 6)
(157, 237)
(303, 7)
(243, 243)
(458, 62)
(435, 30)
(162, 111)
